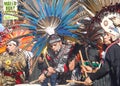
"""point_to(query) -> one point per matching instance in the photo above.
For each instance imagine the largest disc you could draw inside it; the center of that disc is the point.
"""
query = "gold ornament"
(8, 62)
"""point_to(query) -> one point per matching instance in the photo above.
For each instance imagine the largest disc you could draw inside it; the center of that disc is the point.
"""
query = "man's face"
(56, 46)
(107, 39)
(71, 65)
(11, 48)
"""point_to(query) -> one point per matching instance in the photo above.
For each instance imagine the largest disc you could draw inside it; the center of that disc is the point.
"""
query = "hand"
(42, 77)
(51, 70)
(40, 59)
(30, 71)
(95, 70)
(88, 82)
(87, 69)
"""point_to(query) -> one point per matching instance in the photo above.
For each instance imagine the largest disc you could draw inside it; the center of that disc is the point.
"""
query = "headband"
(13, 42)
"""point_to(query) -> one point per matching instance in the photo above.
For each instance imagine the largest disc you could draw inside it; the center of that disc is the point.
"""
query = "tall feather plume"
(95, 6)
(89, 32)
(80, 16)
(24, 36)
(97, 10)
(48, 17)
(102, 10)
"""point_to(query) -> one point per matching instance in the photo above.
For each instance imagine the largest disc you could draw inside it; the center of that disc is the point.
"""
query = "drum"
(27, 85)
(61, 85)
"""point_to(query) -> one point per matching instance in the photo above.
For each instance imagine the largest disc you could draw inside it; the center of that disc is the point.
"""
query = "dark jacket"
(111, 65)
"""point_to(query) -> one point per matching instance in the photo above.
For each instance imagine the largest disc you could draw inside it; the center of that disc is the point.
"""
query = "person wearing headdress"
(111, 64)
(90, 56)
(57, 55)
(110, 23)
(12, 64)
(47, 18)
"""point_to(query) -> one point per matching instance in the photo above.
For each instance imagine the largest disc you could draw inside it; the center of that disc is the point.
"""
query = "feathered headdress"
(19, 33)
(103, 11)
(49, 17)
(102, 14)
(89, 32)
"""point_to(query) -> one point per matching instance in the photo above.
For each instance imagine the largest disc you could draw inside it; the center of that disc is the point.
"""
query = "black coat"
(111, 65)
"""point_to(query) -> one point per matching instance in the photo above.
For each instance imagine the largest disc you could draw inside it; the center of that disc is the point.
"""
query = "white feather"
(50, 30)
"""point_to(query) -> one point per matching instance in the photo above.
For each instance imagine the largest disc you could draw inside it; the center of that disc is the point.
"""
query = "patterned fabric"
(13, 66)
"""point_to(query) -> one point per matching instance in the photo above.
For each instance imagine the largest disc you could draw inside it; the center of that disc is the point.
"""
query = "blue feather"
(41, 48)
(59, 8)
(39, 41)
(34, 23)
(67, 33)
(71, 27)
(65, 10)
(53, 7)
(31, 27)
(25, 11)
(68, 17)
(41, 10)
(30, 17)
(47, 9)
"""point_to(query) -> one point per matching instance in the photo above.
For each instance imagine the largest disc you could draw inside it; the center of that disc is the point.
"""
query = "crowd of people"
(64, 62)
(60, 56)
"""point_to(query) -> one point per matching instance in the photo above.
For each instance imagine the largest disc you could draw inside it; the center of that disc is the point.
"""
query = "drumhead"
(61, 85)
(27, 85)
